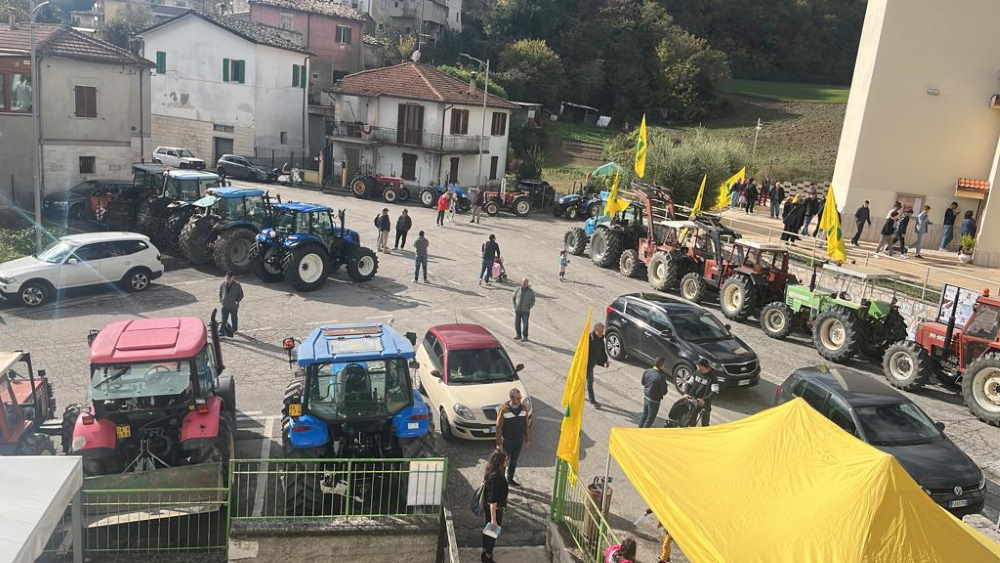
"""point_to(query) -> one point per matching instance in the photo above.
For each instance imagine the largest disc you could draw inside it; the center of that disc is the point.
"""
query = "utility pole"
(753, 153)
(479, 172)
(35, 115)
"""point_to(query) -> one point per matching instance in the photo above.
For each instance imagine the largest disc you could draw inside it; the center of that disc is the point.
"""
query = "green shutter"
(303, 82)
(225, 70)
(295, 75)
(238, 71)
(161, 62)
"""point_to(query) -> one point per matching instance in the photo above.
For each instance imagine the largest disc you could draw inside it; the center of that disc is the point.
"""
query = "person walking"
(384, 224)
(491, 251)
(901, 227)
(475, 199)
(230, 295)
(820, 211)
(888, 232)
(524, 300)
(403, 224)
(776, 196)
(420, 257)
(968, 226)
(923, 221)
(513, 427)
(811, 209)
(751, 197)
(734, 194)
(495, 491)
(654, 388)
(862, 218)
(948, 225)
(563, 262)
(794, 214)
(442, 206)
(597, 355)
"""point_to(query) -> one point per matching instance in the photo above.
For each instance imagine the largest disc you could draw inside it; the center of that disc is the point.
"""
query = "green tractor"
(843, 324)
(224, 226)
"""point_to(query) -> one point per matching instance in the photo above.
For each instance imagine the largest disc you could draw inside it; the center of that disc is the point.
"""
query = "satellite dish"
(415, 57)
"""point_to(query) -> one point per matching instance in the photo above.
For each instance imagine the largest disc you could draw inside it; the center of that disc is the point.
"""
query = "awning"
(972, 188)
(37, 491)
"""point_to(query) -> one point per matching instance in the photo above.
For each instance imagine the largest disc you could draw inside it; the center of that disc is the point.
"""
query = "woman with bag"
(494, 494)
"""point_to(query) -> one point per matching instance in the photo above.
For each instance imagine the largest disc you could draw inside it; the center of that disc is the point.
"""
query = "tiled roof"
(322, 7)
(415, 81)
(251, 31)
(59, 41)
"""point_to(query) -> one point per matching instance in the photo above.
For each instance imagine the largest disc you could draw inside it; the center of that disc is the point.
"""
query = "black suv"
(648, 326)
(884, 418)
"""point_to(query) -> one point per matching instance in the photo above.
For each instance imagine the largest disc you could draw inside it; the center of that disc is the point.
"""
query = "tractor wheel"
(981, 389)
(195, 239)
(266, 264)
(232, 250)
(226, 390)
(776, 319)
(907, 365)
(615, 346)
(306, 267)
(390, 195)
(595, 209)
(147, 220)
(662, 271)
(606, 247)
(170, 234)
(693, 287)
(404, 194)
(736, 298)
(629, 264)
(521, 206)
(575, 241)
(303, 494)
(428, 197)
(491, 208)
(835, 334)
(361, 186)
(572, 212)
(362, 265)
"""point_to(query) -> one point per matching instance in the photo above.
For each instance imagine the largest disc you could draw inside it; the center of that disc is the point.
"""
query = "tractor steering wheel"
(845, 296)
(147, 377)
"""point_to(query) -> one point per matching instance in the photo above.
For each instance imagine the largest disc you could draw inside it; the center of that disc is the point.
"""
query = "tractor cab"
(26, 405)
(188, 185)
(296, 221)
(237, 205)
(769, 262)
(858, 290)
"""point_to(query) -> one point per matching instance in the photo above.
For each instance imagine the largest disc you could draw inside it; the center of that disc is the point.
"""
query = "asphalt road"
(56, 336)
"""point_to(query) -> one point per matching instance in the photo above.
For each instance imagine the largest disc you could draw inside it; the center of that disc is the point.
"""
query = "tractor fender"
(294, 241)
(203, 425)
(414, 421)
(307, 431)
(96, 438)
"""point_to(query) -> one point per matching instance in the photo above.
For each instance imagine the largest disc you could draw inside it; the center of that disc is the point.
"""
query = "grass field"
(581, 132)
(787, 91)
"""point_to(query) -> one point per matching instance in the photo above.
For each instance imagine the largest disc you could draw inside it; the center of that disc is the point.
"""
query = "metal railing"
(578, 513)
(336, 488)
(407, 137)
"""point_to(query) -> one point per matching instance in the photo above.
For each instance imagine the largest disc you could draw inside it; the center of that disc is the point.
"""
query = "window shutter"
(225, 70)
(303, 76)
(240, 67)
(295, 75)
(161, 62)
(81, 103)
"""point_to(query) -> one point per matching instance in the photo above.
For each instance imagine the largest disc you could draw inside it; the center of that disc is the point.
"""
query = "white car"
(178, 157)
(128, 259)
(466, 375)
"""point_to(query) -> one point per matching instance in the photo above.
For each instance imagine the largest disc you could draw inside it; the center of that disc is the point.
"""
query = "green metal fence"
(574, 508)
(336, 488)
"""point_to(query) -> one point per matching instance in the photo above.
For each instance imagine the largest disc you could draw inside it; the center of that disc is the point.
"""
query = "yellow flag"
(830, 223)
(615, 203)
(723, 199)
(568, 449)
(641, 147)
(696, 208)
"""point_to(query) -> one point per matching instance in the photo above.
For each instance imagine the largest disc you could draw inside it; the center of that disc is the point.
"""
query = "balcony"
(361, 133)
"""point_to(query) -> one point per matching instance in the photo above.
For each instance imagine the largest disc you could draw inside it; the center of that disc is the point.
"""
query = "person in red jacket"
(442, 206)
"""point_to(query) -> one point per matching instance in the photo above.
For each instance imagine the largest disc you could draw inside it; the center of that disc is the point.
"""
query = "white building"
(227, 85)
(414, 121)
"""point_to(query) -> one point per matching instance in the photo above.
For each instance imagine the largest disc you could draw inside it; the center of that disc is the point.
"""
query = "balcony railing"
(407, 137)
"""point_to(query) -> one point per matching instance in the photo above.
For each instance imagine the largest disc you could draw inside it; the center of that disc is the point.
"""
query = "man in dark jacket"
(230, 295)
(699, 390)
(901, 227)
(862, 218)
(654, 388)
(811, 209)
(597, 356)
(948, 225)
(751, 196)
(513, 430)
(403, 225)
(491, 250)
(384, 225)
(776, 196)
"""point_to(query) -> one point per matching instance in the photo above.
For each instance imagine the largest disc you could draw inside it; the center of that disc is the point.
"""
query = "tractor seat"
(357, 384)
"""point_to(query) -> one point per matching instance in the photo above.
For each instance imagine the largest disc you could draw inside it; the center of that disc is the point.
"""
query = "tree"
(405, 47)
(467, 76)
(532, 71)
(129, 20)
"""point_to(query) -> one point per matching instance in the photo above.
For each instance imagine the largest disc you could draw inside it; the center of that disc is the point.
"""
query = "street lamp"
(35, 110)
(479, 172)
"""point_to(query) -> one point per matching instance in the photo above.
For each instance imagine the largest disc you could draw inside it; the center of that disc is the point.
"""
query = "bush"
(16, 243)
(465, 75)
(531, 164)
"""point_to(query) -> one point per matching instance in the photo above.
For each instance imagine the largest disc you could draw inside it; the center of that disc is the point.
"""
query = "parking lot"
(56, 334)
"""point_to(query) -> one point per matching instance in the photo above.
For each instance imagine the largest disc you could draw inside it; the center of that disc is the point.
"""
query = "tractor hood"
(569, 199)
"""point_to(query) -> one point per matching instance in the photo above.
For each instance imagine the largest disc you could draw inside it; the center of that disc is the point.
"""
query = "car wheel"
(137, 279)
(34, 293)
(615, 346)
(446, 431)
(682, 371)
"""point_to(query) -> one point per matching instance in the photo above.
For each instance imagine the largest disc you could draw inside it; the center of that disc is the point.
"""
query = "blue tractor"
(588, 202)
(224, 226)
(576, 239)
(308, 242)
(430, 195)
(352, 397)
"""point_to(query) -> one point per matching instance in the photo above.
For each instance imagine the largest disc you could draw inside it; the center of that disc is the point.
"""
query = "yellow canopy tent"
(788, 485)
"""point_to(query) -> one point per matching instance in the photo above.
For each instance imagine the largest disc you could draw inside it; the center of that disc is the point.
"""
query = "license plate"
(959, 503)
(744, 382)
(123, 431)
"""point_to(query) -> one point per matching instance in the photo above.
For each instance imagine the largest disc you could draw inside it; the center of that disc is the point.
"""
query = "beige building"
(923, 117)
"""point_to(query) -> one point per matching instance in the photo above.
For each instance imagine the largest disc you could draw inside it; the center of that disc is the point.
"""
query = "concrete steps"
(529, 554)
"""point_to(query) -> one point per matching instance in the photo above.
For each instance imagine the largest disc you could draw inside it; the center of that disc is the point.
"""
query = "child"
(563, 261)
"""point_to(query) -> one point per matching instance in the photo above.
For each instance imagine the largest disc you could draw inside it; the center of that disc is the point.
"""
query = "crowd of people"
(895, 228)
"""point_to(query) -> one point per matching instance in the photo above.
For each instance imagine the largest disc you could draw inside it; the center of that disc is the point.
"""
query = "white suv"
(178, 158)
(128, 259)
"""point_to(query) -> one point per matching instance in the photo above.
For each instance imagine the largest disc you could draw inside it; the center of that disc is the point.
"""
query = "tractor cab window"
(321, 224)
(359, 389)
(738, 255)
(984, 323)
(254, 209)
(285, 223)
(188, 189)
(772, 259)
(230, 208)
(205, 366)
(11, 411)
(632, 216)
(144, 379)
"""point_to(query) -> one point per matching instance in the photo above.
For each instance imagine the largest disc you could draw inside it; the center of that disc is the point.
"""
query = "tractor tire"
(231, 251)
(404, 194)
(777, 319)
(361, 186)
(521, 206)
(428, 197)
(693, 287)
(306, 267)
(195, 240)
(614, 344)
(981, 389)
(606, 247)
(264, 264)
(835, 334)
(572, 212)
(169, 237)
(390, 195)
(303, 494)
(736, 298)
(557, 211)
(662, 271)
(629, 264)
(491, 208)
(907, 365)
(575, 241)
(147, 220)
(595, 209)
(362, 265)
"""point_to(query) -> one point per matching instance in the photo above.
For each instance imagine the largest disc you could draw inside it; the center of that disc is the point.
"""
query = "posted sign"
(966, 302)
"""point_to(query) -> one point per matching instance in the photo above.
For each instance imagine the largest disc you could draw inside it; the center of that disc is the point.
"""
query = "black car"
(241, 168)
(648, 326)
(884, 418)
(75, 203)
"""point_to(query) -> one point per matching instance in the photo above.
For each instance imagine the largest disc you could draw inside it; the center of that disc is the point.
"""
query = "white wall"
(279, 105)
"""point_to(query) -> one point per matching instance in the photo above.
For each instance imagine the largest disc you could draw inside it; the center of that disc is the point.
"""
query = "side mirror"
(412, 337)
(518, 367)
(939, 425)
(414, 364)
(436, 373)
(72, 260)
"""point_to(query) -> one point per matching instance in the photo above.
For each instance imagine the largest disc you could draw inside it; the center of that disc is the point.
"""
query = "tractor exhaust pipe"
(213, 327)
(812, 281)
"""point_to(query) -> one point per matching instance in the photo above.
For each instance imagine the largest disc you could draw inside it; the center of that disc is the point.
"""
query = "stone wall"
(198, 136)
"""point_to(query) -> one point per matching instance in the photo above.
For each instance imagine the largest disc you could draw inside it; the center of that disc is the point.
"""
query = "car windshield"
(189, 189)
(479, 366)
(144, 379)
(57, 253)
(896, 425)
(185, 153)
(285, 222)
(371, 389)
(696, 327)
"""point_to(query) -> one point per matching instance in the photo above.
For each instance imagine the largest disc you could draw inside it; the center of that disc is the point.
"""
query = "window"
(410, 124)
(86, 101)
(91, 252)
(658, 320)
(637, 310)
(299, 76)
(499, 124)
(898, 424)
(343, 34)
(815, 396)
(87, 164)
(233, 70)
(494, 164)
(126, 247)
(284, 137)
(459, 122)
(286, 21)
(161, 62)
(409, 166)
(490, 365)
(20, 92)
(985, 322)
(222, 128)
(841, 415)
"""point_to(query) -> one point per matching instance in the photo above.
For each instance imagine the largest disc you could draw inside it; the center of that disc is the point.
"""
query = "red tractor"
(26, 407)
(389, 188)
(967, 357)
(157, 403)
(516, 201)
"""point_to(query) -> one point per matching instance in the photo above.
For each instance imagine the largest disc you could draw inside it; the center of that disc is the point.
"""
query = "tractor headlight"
(463, 411)
(271, 234)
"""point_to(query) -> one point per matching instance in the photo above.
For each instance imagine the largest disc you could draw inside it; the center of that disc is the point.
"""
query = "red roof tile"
(59, 41)
(321, 7)
(415, 81)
